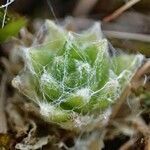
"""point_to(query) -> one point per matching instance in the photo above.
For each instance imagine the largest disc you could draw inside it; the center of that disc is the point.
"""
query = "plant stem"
(119, 11)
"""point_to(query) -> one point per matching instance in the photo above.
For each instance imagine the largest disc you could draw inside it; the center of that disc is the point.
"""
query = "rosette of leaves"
(72, 76)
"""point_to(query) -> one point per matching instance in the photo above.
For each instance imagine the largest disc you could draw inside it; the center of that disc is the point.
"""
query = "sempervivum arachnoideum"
(72, 77)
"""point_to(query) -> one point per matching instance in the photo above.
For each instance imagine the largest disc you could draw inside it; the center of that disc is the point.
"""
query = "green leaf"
(40, 58)
(77, 100)
(11, 29)
(54, 114)
(56, 37)
(50, 87)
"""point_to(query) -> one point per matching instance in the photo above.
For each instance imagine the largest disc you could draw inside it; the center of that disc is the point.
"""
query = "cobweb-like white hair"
(72, 77)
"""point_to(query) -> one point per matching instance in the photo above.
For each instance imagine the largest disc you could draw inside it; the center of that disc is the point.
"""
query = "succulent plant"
(72, 76)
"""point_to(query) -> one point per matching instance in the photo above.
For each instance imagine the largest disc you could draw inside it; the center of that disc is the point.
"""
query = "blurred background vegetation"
(135, 20)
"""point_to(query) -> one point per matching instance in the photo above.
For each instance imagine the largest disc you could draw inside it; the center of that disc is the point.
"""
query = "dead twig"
(3, 122)
(127, 35)
(119, 11)
(128, 144)
(139, 125)
(147, 147)
(127, 91)
(84, 7)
